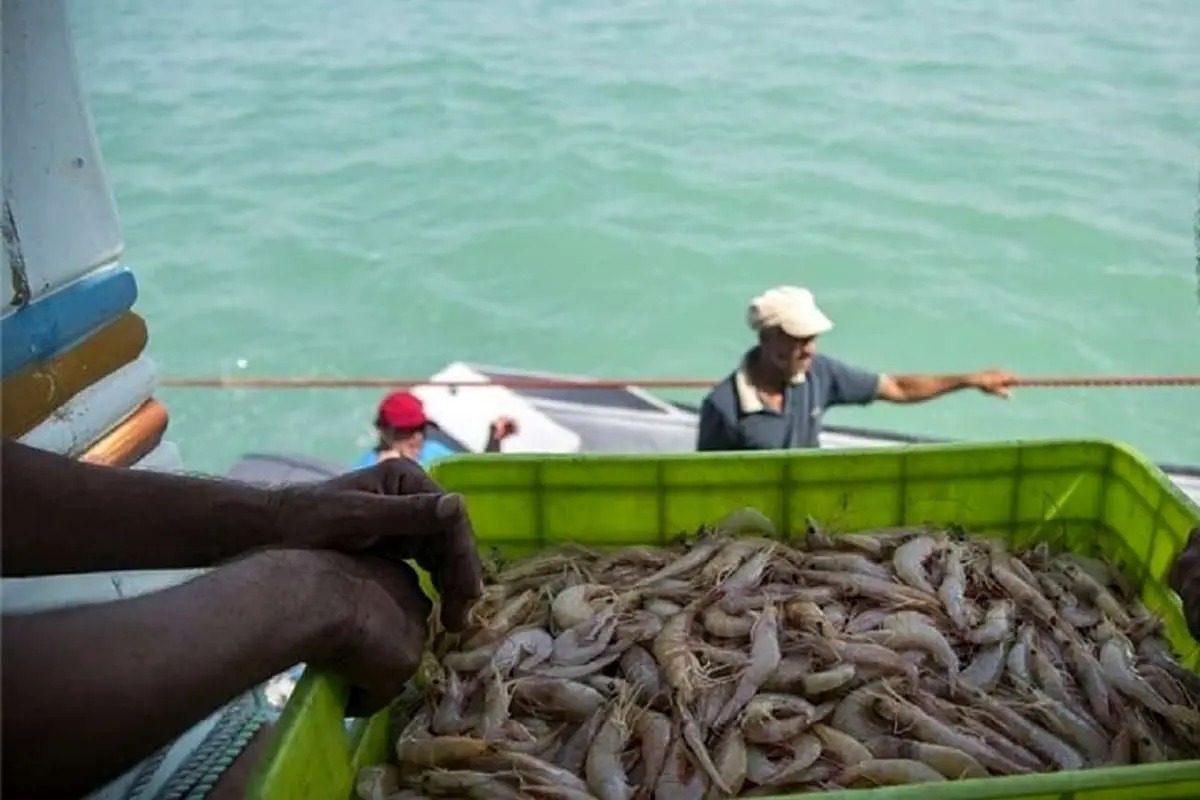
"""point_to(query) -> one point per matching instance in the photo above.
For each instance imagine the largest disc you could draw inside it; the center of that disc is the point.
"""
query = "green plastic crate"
(1088, 496)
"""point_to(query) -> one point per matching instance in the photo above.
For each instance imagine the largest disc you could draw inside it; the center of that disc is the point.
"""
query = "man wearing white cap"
(776, 397)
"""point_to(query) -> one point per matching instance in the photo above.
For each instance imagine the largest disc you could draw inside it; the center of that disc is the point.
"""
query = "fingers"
(459, 575)
(434, 529)
(1191, 613)
(422, 521)
(402, 583)
(404, 476)
(363, 703)
(1173, 576)
(1184, 578)
(1193, 541)
(391, 631)
(1186, 563)
(395, 476)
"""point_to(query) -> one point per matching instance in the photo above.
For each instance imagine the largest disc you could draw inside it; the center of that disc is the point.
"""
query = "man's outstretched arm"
(917, 388)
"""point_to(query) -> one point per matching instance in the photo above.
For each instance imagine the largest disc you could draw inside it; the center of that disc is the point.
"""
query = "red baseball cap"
(403, 411)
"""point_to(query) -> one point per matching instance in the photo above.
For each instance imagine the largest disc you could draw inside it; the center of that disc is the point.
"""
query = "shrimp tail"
(695, 743)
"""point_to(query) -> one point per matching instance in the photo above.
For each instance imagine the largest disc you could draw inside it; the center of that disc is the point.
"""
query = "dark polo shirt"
(733, 417)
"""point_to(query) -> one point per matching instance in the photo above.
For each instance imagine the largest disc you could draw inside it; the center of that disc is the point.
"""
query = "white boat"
(625, 419)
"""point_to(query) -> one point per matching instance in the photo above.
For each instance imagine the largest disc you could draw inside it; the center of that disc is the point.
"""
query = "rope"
(623, 383)
(1119, 381)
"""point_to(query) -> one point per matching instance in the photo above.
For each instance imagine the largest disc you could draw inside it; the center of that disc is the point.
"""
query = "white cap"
(788, 307)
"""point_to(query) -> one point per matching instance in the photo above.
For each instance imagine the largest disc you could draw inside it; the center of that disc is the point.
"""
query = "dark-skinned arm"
(90, 691)
(63, 516)
(917, 388)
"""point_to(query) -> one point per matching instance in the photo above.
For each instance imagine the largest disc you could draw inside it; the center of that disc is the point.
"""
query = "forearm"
(62, 516)
(90, 691)
(919, 388)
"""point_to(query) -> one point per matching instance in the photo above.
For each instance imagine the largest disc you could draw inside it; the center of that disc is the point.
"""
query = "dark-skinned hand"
(372, 619)
(1184, 578)
(396, 511)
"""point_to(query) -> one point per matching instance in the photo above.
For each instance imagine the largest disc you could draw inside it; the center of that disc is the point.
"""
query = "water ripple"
(382, 187)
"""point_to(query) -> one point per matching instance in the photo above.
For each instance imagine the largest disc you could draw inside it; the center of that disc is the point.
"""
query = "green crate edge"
(312, 727)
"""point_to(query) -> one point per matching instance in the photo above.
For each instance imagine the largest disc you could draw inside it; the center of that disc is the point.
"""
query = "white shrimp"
(953, 590)
(890, 592)
(773, 718)
(1036, 738)
(996, 626)
(1091, 679)
(467, 784)
(377, 782)
(910, 629)
(745, 521)
(679, 664)
(874, 655)
(605, 774)
(764, 659)
(558, 697)
(730, 760)
(1066, 722)
(576, 671)
(764, 771)
(1095, 591)
(790, 673)
(585, 641)
(701, 552)
(888, 772)
(448, 719)
(868, 620)
(749, 574)
(727, 559)
(848, 750)
(853, 715)
(680, 779)
(495, 707)
(909, 562)
(641, 670)
(573, 605)
(573, 754)
(1021, 591)
(663, 609)
(816, 683)
(532, 642)
(847, 562)
(1019, 656)
(1115, 662)
(510, 614)
(721, 624)
(933, 730)
(653, 730)
(949, 761)
(1047, 674)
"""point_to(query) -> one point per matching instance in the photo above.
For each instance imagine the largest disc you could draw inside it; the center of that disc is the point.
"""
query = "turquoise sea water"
(379, 188)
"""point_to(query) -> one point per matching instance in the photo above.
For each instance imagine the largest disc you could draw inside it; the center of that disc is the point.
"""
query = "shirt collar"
(747, 395)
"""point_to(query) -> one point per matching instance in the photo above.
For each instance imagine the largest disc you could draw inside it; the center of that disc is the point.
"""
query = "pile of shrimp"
(736, 664)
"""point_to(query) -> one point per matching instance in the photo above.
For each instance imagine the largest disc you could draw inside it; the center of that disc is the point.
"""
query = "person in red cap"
(402, 425)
